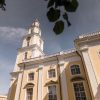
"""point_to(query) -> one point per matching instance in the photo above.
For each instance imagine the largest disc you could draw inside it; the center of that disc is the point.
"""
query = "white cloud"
(11, 33)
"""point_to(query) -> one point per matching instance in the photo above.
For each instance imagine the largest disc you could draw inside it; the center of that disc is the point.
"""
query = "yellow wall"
(3, 98)
(95, 59)
(69, 76)
(25, 81)
(46, 80)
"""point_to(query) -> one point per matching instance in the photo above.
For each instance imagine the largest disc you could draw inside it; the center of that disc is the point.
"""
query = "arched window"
(75, 69)
(25, 55)
(28, 41)
(29, 91)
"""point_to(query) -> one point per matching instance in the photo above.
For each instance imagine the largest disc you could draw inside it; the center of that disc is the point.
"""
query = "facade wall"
(21, 56)
(25, 82)
(46, 81)
(94, 53)
(3, 97)
(69, 76)
(86, 57)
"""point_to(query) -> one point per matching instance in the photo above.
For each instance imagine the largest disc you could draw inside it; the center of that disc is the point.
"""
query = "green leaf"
(58, 27)
(58, 3)
(71, 6)
(50, 3)
(68, 22)
(65, 16)
(2, 4)
(53, 14)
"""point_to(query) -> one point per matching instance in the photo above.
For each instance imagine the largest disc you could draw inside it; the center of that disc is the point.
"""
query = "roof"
(86, 38)
(89, 35)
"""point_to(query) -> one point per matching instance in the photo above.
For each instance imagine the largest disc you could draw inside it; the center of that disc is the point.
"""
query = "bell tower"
(32, 44)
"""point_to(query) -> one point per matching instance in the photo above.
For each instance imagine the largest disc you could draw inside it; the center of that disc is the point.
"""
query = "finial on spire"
(35, 28)
(36, 23)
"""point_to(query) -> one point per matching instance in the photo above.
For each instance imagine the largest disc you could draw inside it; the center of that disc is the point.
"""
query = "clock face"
(36, 30)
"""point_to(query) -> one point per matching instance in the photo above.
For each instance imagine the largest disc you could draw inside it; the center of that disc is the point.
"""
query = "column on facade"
(40, 83)
(63, 80)
(17, 94)
(90, 71)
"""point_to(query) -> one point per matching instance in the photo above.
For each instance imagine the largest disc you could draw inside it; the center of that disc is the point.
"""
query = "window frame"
(75, 70)
(29, 77)
(48, 76)
(27, 94)
(79, 92)
(25, 55)
(55, 91)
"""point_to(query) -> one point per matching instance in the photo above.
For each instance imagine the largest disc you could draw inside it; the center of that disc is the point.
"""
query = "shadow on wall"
(97, 96)
(11, 96)
(46, 97)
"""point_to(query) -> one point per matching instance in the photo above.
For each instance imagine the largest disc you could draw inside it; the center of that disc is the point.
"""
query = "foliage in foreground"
(58, 12)
(2, 4)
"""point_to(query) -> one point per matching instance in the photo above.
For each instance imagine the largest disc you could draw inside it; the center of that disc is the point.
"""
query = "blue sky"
(19, 16)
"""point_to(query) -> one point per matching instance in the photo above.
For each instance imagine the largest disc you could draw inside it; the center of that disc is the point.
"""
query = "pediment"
(51, 82)
(29, 85)
(77, 78)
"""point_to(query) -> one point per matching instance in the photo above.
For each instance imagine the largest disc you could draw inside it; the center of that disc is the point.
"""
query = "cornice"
(15, 73)
(49, 58)
(27, 47)
(32, 34)
(3, 96)
(87, 38)
(30, 47)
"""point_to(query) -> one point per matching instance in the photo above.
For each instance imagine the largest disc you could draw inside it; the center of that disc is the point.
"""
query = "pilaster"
(40, 82)
(64, 89)
(90, 71)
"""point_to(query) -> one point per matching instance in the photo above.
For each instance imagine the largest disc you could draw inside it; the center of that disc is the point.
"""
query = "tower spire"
(35, 28)
(32, 44)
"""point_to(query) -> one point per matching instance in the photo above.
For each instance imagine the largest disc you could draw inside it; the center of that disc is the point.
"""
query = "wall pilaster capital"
(61, 63)
(84, 48)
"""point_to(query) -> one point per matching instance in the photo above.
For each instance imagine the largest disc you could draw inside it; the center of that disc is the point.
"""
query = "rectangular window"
(51, 73)
(79, 91)
(31, 76)
(75, 69)
(29, 94)
(52, 92)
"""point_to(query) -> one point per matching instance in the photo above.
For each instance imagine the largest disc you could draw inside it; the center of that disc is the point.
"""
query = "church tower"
(32, 44)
